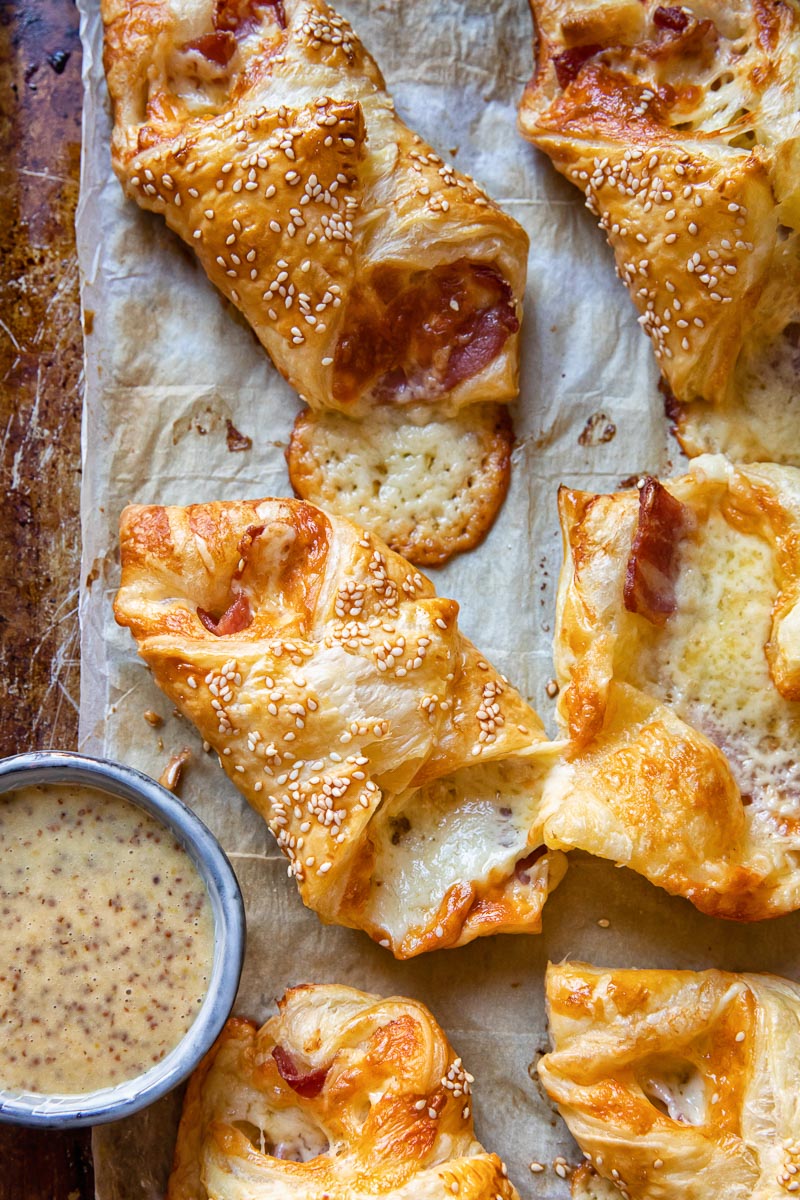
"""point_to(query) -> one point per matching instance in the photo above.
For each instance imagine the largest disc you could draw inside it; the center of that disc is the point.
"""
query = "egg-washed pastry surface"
(682, 127)
(383, 283)
(678, 654)
(399, 772)
(341, 1096)
(677, 1084)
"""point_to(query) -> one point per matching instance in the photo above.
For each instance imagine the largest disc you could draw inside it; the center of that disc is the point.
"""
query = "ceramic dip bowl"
(196, 892)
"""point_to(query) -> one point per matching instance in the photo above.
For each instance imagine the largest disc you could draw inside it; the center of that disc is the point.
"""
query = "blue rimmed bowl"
(208, 858)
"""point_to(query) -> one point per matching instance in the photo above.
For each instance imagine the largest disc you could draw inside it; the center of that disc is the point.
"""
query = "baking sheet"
(169, 364)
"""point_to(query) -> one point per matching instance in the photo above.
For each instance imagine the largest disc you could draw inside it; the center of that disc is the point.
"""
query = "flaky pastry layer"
(676, 1084)
(678, 655)
(371, 270)
(399, 771)
(341, 1096)
(681, 125)
(379, 279)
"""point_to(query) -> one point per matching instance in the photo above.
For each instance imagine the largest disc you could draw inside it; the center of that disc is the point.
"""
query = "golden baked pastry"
(678, 653)
(398, 770)
(682, 127)
(676, 1083)
(341, 1096)
(378, 277)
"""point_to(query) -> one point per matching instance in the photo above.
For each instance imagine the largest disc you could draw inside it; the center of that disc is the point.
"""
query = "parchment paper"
(168, 363)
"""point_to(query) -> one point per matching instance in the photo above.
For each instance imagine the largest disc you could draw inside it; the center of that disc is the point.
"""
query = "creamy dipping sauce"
(106, 940)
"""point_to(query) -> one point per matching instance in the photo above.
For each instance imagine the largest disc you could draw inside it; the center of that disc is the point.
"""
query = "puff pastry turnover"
(341, 1096)
(675, 1084)
(400, 773)
(681, 126)
(379, 278)
(678, 652)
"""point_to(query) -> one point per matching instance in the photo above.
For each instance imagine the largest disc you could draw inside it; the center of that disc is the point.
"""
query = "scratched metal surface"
(40, 370)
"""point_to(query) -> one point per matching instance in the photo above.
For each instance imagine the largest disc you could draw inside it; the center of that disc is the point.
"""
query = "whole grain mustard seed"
(106, 940)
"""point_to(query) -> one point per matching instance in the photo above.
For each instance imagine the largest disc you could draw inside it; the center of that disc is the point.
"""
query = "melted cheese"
(758, 422)
(678, 1088)
(290, 1134)
(709, 663)
(472, 828)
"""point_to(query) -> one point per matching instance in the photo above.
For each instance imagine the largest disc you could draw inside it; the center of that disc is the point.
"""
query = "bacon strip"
(237, 616)
(654, 560)
(307, 1084)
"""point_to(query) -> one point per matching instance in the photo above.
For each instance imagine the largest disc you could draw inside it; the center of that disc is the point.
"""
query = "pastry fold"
(399, 771)
(681, 127)
(341, 1096)
(677, 650)
(383, 282)
(675, 1083)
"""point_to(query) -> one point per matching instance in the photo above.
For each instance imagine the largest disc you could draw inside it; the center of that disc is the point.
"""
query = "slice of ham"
(675, 19)
(219, 47)
(242, 17)
(237, 617)
(413, 338)
(307, 1084)
(568, 65)
(654, 560)
(484, 340)
(251, 534)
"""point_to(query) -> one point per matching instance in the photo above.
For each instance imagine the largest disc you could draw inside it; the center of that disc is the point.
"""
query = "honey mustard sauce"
(106, 940)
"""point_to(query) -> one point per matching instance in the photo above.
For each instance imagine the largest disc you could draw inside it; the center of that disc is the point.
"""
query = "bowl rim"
(212, 865)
